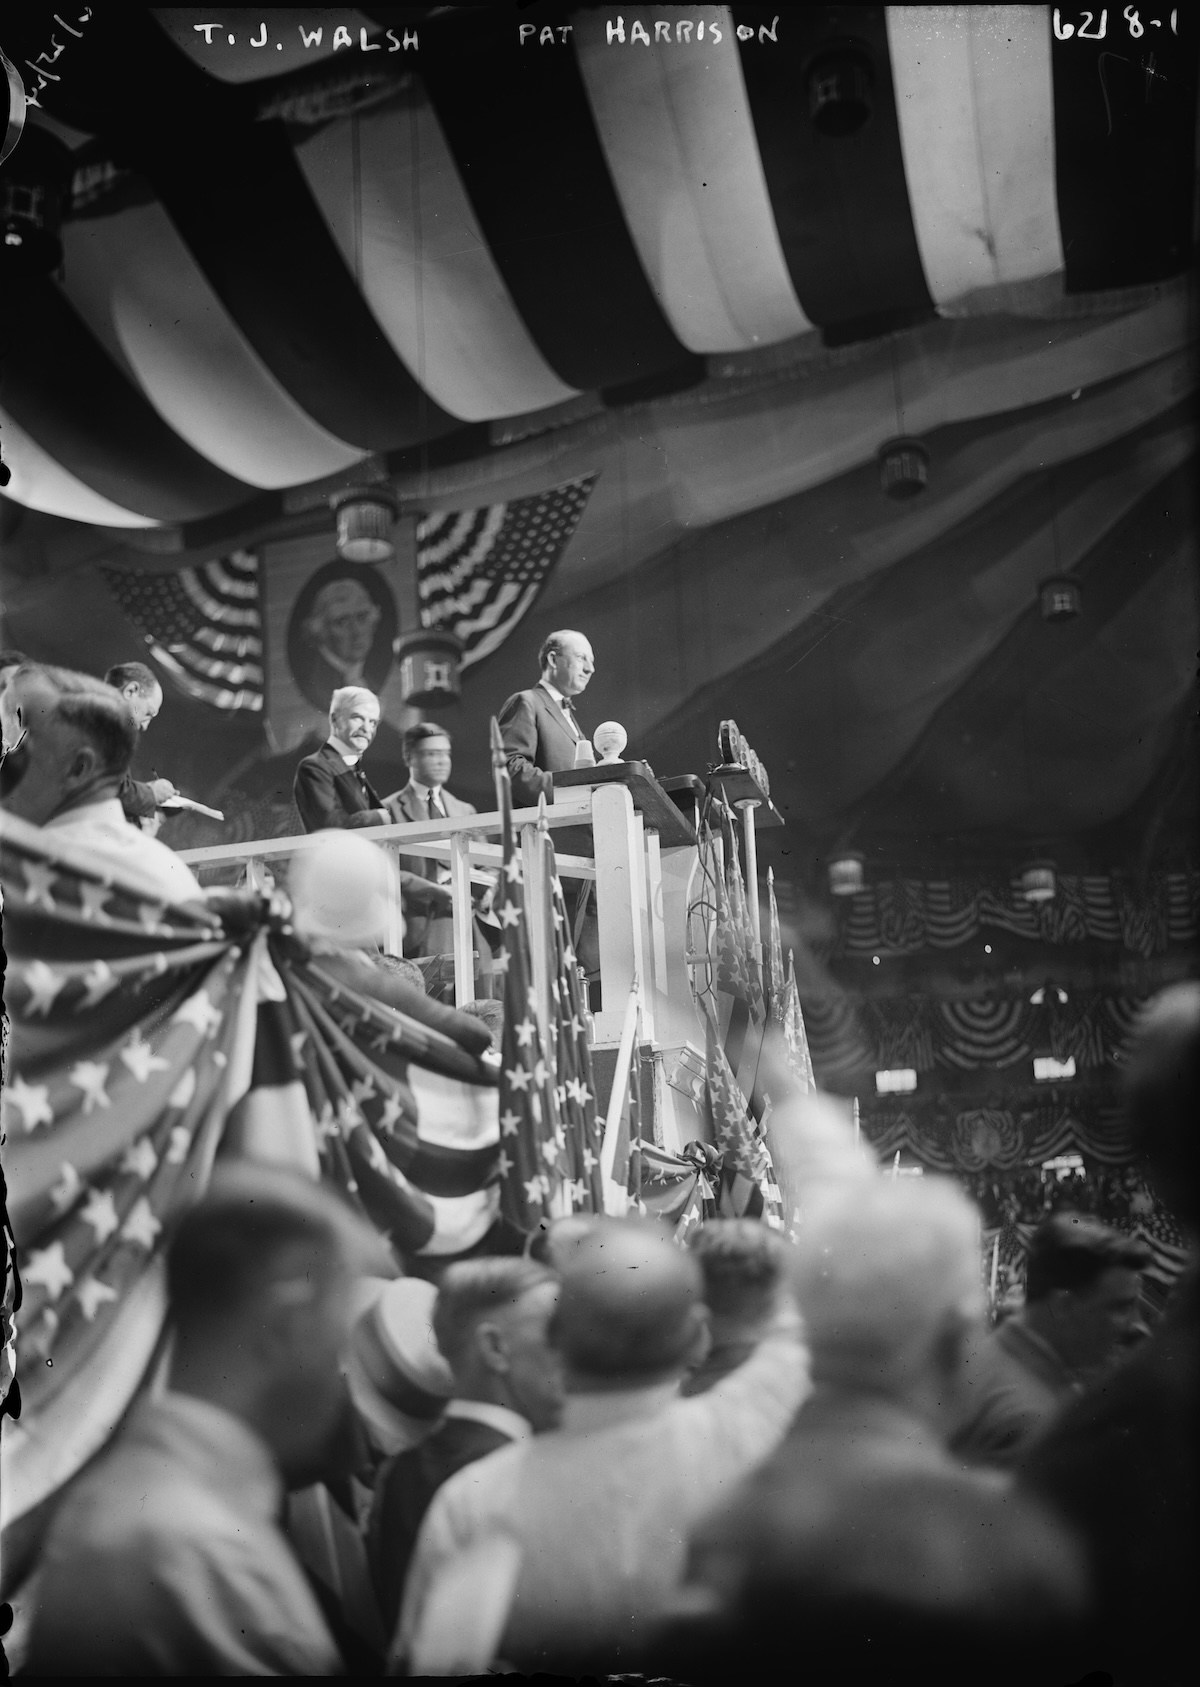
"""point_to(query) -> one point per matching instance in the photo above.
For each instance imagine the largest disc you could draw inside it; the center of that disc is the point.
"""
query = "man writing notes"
(331, 789)
(538, 726)
(140, 799)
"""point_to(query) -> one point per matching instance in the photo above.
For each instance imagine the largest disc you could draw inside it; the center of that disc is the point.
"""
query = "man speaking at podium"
(540, 732)
(538, 726)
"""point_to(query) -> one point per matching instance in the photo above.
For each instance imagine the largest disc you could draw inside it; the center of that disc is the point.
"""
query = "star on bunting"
(98, 980)
(92, 1295)
(101, 1213)
(181, 1141)
(43, 984)
(199, 1012)
(141, 1226)
(92, 899)
(32, 1101)
(65, 1190)
(48, 1268)
(90, 1076)
(140, 1158)
(141, 1059)
(39, 882)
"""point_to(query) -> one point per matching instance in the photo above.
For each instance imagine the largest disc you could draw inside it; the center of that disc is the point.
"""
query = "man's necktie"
(570, 714)
(433, 806)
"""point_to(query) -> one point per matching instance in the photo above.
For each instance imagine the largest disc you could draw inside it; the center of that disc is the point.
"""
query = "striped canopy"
(482, 253)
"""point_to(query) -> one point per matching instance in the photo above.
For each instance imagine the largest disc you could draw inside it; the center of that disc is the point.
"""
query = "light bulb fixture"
(903, 467)
(364, 524)
(1038, 882)
(1060, 598)
(430, 668)
(846, 874)
(839, 91)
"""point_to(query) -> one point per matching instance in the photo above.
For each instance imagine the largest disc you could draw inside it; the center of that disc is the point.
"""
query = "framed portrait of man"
(341, 631)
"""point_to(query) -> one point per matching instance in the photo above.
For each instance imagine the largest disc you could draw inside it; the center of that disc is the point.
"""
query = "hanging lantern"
(364, 525)
(32, 190)
(1038, 882)
(846, 874)
(839, 92)
(430, 668)
(1061, 598)
(903, 468)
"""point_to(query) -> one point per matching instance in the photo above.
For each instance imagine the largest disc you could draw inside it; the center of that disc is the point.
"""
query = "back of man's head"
(743, 1262)
(132, 673)
(884, 1269)
(260, 1275)
(1162, 1095)
(1072, 1251)
(72, 739)
(630, 1310)
(474, 1290)
(256, 1230)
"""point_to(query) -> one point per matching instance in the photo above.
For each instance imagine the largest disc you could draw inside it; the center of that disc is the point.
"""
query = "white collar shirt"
(102, 832)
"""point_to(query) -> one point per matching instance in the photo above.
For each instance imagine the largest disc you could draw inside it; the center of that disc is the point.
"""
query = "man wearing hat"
(397, 1386)
(490, 1319)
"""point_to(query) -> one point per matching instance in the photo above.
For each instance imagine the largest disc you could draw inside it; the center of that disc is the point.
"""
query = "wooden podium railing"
(641, 902)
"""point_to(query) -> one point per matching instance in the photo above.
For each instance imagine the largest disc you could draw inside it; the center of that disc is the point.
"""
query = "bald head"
(567, 662)
(883, 1270)
(630, 1309)
(70, 739)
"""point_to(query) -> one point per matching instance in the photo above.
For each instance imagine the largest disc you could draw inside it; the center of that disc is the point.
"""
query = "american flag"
(127, 1026)
(479, 571)
(202, 625)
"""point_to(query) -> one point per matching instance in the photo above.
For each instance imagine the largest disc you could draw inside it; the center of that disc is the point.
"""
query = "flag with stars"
(142, 1037)
(740, 1006)
(575, 1083)
(202, 625)
(795, 1036)
(480, 571)
(747, 1177)
(534, 1164)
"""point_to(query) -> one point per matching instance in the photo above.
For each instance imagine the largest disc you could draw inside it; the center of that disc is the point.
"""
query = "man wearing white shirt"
(596, 1514)
(490, 1321)
(72, 739)
(539, 726)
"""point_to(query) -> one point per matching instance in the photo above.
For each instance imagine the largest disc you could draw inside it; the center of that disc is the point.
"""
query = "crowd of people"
(617, 1455)
(606, 1453)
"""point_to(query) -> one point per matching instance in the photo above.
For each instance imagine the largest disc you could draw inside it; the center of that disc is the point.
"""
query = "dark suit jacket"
(1120, 1465)
(403, 1495)
(1016, 1387)
(538, 741)
(329, 794)
(433, 934)
(136, 798)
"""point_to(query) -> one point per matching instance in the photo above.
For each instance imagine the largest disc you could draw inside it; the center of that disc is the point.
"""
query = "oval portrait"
(341, 631)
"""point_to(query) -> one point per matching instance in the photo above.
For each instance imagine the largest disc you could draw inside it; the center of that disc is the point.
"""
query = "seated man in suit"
(538, 726)
(427, 750)
(540, 733)
(331, 789)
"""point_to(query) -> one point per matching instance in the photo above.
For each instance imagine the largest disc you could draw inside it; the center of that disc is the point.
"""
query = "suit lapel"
(557, 715)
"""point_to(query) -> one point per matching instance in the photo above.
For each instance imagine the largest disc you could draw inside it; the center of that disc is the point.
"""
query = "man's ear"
(82, 765)
(701, 1343)
(490, 1341)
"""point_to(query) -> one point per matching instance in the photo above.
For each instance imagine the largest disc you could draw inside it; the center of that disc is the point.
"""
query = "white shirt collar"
(106, 813)
(503, 1418)
(424, 791)
(606, 1409)
(349, 756)
(563, 702)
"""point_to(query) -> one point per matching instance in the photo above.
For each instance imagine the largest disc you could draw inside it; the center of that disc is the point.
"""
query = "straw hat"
(396, 1375)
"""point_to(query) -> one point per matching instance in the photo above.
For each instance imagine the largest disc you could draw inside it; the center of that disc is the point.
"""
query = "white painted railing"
(641, 907)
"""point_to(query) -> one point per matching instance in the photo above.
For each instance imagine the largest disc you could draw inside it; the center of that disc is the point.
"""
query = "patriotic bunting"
(144, 1038)
(202, 625)
(480, 571)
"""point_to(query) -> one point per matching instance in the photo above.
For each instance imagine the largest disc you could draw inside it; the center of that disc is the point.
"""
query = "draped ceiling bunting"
(344, 246)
